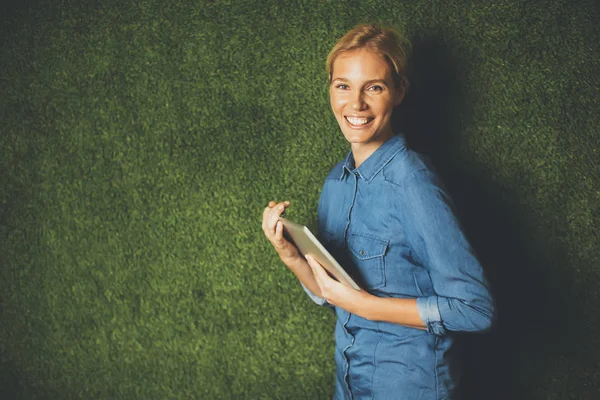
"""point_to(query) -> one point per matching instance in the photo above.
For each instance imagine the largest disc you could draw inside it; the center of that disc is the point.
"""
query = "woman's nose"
(357, 102)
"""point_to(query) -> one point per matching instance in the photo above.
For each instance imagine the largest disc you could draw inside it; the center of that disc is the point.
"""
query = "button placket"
(346, 377)
(351, 205)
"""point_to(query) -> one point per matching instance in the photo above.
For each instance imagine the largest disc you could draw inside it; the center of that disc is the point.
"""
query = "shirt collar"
(376, 161)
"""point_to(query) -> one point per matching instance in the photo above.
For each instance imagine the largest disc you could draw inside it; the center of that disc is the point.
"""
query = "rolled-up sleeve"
(461, 299)
(318, 300)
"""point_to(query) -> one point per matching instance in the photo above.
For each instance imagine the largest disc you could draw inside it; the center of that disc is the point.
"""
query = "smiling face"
(362, 95)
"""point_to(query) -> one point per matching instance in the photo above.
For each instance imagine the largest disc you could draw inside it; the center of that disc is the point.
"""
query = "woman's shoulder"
(407, 164)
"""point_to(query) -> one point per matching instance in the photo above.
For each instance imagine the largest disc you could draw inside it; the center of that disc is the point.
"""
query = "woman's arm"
(364, 304)
(288, 253)
(461, 299)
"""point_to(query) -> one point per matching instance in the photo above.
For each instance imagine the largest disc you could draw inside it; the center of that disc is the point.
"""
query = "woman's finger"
(276, 213)
(268, 208)
(266, 212)
(311, 263)
(316, 267)
(321, 277)
(274, 216)
(268, 226)
(279, 231)
(326, 283)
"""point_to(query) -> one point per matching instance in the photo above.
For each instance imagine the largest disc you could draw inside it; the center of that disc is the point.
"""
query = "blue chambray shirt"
(392, 226)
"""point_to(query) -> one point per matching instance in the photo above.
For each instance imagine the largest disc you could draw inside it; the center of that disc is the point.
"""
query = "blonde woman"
(385, 216)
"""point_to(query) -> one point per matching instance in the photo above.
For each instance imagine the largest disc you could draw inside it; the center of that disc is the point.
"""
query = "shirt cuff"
(319, 300)
(430, 315)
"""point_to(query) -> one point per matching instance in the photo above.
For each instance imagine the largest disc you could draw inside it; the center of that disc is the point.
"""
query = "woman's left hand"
(336, 293)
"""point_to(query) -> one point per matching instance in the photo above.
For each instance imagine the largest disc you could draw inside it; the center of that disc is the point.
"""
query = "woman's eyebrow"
(365, 83)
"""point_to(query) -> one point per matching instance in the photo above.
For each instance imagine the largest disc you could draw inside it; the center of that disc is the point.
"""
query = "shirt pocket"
(368, 253)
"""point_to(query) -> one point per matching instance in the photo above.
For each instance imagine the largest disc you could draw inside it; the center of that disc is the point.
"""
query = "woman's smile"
(358, 122)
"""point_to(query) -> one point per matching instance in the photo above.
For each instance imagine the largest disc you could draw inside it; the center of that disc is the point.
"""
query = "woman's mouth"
(358, 122)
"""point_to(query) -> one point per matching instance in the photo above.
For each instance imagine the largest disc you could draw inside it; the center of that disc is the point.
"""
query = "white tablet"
(307, 243)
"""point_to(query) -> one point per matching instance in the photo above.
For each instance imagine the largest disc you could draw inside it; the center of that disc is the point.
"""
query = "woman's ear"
(401, 89)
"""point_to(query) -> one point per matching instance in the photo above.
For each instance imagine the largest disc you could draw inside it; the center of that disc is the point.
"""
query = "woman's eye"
(376, 88)
(341, 86)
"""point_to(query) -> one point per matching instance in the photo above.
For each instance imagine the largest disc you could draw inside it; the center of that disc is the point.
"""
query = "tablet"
(308, 244)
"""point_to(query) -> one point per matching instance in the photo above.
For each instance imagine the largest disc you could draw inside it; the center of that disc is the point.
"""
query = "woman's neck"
(362, 151)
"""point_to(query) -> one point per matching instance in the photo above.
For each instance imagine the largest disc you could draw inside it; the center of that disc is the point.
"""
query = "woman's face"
(362, 96)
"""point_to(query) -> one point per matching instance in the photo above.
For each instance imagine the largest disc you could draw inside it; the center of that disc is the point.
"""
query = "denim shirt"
(391, 225)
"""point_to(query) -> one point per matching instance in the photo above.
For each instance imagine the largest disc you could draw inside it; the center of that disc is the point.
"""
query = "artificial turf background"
(140, 141)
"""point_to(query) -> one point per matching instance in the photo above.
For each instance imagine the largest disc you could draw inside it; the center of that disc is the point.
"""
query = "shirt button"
(362, 252)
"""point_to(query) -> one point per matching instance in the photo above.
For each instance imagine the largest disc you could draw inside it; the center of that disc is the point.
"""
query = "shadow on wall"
(531, 318)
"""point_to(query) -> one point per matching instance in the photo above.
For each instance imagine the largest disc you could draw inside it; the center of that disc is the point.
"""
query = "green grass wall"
(141, 140)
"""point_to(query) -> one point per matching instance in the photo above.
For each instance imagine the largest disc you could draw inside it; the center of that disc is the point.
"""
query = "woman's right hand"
(273, 229)
(289, 254)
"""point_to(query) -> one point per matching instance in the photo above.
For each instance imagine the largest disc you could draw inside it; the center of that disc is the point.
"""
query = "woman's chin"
(365, 138)
(358, 136)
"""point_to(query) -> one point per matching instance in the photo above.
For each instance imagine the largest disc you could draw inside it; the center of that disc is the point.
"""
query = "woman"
(386, 218)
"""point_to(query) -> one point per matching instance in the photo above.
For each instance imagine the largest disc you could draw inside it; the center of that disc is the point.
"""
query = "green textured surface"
(140, 141)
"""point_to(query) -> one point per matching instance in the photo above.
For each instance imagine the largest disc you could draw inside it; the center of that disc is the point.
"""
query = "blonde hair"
(387, 42)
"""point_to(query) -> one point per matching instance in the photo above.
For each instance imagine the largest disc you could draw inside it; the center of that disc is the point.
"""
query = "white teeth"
(357, 121)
